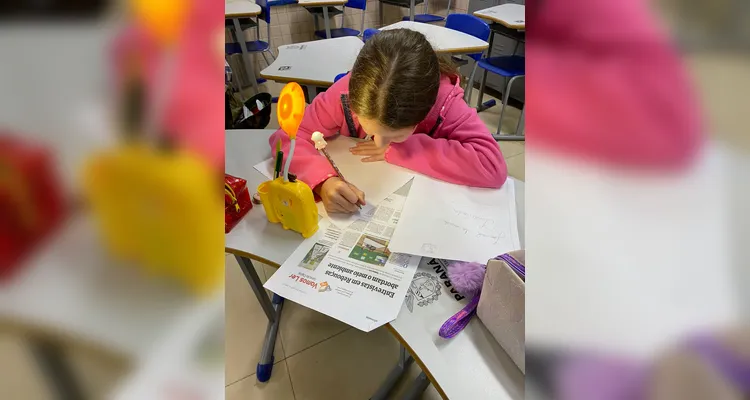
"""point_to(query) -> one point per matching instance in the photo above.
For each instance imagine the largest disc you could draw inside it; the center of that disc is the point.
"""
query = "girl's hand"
(369, 149)
(339, 196)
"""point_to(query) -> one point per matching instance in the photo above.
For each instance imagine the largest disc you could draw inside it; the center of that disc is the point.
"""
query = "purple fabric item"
(467, 277)
(599, 378)
(516, 266)
(732, 368)
(458, 322)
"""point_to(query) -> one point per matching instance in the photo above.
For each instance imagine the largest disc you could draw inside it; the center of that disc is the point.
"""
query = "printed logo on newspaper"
(304, 281)
(324, 287)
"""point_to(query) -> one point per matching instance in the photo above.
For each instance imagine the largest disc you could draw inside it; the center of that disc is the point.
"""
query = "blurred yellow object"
(164, 18)
(290, 203)
(161, 211)
(291, 108)
(287, 200)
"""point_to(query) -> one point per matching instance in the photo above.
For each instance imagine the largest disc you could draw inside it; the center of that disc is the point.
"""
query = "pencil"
(335, 168)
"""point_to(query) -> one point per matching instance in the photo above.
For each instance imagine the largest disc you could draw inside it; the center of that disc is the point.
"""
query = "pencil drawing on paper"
(428, 248)
(473, 223)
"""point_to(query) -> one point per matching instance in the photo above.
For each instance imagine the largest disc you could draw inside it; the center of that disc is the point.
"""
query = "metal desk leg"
(51, 361)
(326, 22)
(415, 390)
(481, 107)
(411, 10)
(249, 65)
(404, 361)
(272, 309)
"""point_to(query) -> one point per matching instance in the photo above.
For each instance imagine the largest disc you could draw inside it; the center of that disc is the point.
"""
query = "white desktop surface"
(73, 291)
(511, 15)
(240, 8)
(443, 40)
(314, 63)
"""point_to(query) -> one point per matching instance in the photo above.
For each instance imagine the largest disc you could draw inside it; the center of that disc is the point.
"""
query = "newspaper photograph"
(350, 273)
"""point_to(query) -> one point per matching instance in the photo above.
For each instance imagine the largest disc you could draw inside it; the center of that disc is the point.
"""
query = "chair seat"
(254, 46)
(425, 18)
(338, 32)
(507, 66)
(274, 3)
(401, 3)
(332, 11)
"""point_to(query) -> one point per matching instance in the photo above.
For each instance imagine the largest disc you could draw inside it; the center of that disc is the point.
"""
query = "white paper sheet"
(350, 274)
(455, 222)
(378, 180)
(472, 365)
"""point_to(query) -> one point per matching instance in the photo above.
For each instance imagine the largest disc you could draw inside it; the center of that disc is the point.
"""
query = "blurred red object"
(31, 200)
(237, 201)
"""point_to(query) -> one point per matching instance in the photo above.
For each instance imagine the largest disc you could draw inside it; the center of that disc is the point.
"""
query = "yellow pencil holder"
(290, 203)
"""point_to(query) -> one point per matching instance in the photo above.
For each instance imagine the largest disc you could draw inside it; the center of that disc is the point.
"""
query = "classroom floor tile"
(245, 324)
(19, 376)
(302, 327)
(279, 387)
(348, 366)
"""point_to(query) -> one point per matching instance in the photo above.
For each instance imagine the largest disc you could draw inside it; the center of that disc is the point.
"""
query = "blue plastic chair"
(332, 11)
(473, 26)
(509, 67)
(427, 18)
(369, 32)
(256, 46)
(339, 76)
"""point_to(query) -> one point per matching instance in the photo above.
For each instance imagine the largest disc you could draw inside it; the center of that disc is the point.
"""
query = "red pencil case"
(237, 201)
(31, 201)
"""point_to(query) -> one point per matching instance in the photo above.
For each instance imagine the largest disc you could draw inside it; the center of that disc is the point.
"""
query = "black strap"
(434, 127)
(348, 114)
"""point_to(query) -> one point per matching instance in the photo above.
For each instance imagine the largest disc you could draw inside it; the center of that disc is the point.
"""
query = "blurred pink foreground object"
(606, 85)
(194, 111)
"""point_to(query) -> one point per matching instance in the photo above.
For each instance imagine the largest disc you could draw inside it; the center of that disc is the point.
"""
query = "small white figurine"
(319, 140)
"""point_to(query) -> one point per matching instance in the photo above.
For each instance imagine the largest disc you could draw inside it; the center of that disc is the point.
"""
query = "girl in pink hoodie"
(409, 100)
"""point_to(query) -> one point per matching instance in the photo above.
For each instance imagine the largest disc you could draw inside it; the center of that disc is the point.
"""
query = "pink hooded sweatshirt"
(451, 144)
(194, 105)
(605, 84)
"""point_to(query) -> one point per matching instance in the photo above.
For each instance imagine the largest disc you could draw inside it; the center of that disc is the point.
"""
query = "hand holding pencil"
(337, 193)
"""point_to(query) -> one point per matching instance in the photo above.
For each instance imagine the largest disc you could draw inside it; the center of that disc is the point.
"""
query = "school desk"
(507, 20)
(236, 9)
(256, 239)
(444, 40)
(323, 4)
(314, 64)
(71, 294)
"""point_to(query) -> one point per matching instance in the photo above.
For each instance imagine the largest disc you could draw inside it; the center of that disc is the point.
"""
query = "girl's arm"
(324, 115)
(463, 151)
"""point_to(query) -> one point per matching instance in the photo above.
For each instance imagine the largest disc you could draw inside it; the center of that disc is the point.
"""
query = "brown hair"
(396, 77)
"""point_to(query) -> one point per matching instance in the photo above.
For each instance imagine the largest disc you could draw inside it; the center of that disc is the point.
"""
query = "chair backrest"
(265, 10)
(339, 76)
(368, 33)
(358, 4)
(469, 25)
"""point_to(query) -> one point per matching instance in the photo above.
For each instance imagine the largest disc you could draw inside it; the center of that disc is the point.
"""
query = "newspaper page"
(349, 273)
